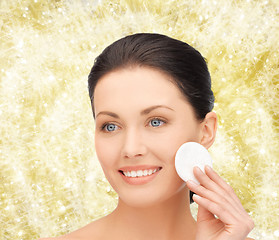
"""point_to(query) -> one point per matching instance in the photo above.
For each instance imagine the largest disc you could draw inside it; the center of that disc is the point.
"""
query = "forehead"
(140, 85)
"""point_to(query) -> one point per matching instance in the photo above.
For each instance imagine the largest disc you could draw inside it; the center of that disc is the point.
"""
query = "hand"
(216, 198)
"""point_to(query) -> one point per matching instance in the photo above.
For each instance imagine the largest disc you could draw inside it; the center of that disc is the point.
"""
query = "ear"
(208, 129)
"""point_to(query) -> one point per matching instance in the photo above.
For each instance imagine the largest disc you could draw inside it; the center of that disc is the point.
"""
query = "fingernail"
(198, 169)
(208, 167)
(196, 196)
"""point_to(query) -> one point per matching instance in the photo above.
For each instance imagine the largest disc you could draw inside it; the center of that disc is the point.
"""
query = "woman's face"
(141, 120)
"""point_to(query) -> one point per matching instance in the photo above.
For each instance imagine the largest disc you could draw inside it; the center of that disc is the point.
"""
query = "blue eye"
(156, 122)
(109, 127)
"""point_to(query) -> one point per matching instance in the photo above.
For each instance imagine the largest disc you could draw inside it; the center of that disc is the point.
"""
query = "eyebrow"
(143, 112)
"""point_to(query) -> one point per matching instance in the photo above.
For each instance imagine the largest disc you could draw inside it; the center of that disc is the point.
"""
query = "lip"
(139, 180)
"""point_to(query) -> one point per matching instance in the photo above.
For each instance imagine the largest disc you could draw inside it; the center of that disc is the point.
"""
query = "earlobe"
(208, 129)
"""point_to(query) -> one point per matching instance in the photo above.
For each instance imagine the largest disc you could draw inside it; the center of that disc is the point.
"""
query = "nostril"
(133, 155)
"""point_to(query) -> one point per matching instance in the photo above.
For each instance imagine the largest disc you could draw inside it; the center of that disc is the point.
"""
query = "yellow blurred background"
(50, 179)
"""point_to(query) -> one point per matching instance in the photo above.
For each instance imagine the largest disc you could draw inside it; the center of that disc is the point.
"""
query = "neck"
(171, 219)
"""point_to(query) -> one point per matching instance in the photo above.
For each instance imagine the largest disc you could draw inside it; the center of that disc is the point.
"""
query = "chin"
(151, 198)
(142, 202)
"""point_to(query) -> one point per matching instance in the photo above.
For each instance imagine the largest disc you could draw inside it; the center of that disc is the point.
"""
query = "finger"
(221, 206)
(244, 225)
(226, 187)
(223, 214)
(211, 185)
(213, 197)
(215, 183)
(204, 214)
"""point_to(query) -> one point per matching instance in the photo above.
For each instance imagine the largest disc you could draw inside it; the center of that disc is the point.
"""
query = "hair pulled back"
(184, 64)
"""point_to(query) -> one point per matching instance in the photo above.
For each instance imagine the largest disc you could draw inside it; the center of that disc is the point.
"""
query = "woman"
(150, 94)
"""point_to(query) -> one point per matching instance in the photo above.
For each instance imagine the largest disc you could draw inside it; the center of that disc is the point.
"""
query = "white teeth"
(140, 173)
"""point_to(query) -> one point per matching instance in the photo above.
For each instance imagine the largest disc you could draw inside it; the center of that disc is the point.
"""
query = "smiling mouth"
(140, 173)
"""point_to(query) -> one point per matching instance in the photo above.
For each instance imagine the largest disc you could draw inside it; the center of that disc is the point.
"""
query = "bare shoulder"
(48, 238)
(94, 230)
(250, 239)
(79, 234)
(65, 237)
(76, 235)
(53, 238)
(59, 238)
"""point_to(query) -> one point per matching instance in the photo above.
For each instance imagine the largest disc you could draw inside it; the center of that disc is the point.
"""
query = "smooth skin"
(142, 119)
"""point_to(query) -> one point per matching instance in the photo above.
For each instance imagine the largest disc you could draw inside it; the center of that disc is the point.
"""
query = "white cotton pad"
(188, 156)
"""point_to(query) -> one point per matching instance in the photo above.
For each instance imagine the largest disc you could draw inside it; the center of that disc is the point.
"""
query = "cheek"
(166, 145)
(106, 151)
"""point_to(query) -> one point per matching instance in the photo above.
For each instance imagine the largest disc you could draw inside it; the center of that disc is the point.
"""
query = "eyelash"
(102, 128)
(158, 119)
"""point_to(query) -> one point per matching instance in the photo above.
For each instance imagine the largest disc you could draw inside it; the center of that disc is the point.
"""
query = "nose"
(133, 144)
